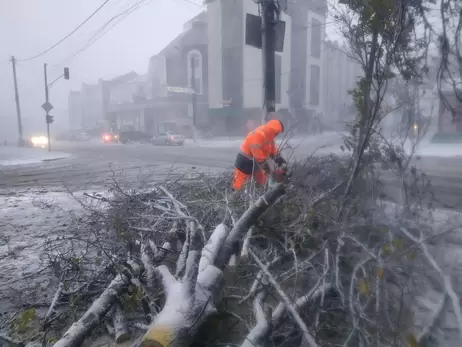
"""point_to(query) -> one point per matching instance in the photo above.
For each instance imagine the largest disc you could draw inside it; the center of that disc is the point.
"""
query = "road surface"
(92, 166)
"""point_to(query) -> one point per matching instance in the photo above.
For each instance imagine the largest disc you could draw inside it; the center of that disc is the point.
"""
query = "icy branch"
(247, 220)
(54, 302)
(447, 283)
(427, 330)
(258, 280)
(246, 244)
(120, 325)
(213, 246)
(80, 329)
(307, 337)
(259, 335)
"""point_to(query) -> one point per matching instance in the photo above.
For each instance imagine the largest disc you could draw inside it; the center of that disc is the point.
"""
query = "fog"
(28, 27)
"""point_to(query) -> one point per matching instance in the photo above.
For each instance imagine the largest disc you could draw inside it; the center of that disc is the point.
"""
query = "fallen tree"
(152, 265)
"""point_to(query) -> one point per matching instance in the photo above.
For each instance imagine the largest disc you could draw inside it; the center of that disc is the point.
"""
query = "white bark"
(184, 311)
(54, 302)
(307, 337)
(246, 245)
(427, 330)
(259, 335)
(168, 245)
(119, 322)
(256, 285)
(213, 246)
(188, 302)
(247, 220)
(447, 283)
(75, 335)
(181, 262)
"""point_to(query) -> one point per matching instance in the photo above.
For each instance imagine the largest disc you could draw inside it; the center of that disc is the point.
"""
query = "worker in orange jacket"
(257, 148)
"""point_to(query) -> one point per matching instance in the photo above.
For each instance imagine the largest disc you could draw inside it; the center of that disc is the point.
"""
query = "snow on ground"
(26, 220)
(20, 156)
(440, 150)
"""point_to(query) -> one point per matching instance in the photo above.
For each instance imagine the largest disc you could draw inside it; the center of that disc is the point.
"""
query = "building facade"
(86, 109)
(235, 69)
(340, 75)
(159, 100)
(175, 72)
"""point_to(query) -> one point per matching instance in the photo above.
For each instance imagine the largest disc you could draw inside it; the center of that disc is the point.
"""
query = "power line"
(193, 3)
(100, 33)
(68, 35)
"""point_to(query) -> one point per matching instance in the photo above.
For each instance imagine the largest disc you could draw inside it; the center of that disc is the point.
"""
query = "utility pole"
(194, 97)
(18, 108)
(47, 102)
(269, 18)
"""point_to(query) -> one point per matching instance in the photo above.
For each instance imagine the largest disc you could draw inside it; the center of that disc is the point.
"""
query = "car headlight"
(39, 140)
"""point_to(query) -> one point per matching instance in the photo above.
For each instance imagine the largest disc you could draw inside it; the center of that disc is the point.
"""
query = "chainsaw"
(281, 174)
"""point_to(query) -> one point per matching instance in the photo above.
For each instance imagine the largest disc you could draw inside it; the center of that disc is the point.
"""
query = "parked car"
(168, 138)
(134, 136)
(110, 138)
(79, 136)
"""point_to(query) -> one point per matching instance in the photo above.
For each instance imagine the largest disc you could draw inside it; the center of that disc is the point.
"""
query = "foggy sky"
(27, 27)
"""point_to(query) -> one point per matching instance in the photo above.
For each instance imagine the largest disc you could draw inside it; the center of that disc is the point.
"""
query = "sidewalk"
(10, 155)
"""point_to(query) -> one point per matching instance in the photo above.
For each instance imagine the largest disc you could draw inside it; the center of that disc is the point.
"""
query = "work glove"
(265, 167)
(279, 160)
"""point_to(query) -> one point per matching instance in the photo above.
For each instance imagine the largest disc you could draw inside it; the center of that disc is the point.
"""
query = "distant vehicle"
(80, 136)
(134, 136)
(37, 142)
(168, 138)
(110, 138)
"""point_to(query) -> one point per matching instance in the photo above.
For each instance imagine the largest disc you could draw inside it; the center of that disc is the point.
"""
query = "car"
(134, 136)
(110, 138)
(168, 138)
(37, 141)
(79, 136)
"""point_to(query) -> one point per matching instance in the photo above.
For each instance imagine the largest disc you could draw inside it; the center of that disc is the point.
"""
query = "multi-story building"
(157, 101)
(307, 60)
(235, 69)
(86, 109)
(340, 76)
(171, 74)
(75, 106)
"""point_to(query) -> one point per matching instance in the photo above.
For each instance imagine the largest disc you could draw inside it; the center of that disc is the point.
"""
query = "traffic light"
(50, 119)
(66, 73)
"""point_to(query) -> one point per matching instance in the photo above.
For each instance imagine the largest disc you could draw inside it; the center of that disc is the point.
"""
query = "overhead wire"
(121, 16)
(68, 35)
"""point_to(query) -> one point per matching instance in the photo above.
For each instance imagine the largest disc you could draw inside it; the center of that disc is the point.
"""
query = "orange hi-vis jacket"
(259, 144)
(257, 147)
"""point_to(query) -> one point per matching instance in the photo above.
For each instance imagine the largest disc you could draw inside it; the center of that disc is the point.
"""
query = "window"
(316, 27)
(315, 76)
(194, 61)
(278, 77)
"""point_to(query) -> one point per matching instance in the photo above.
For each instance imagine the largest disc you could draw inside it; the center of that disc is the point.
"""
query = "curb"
(54, 159)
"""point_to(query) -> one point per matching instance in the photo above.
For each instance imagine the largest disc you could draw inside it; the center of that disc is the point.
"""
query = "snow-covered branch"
(261, 332)
(447, 283)
(307, 337)
(80, 329)
(247, 220)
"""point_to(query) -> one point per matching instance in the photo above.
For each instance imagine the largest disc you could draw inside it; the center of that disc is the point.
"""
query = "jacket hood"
(273, 127)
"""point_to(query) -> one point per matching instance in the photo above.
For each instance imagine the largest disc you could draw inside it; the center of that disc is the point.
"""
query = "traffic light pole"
(194, 97)
(46, 101)
(269, 17)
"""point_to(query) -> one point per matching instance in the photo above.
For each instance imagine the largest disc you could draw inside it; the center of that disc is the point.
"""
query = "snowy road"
(92, 166)
(28, 193)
